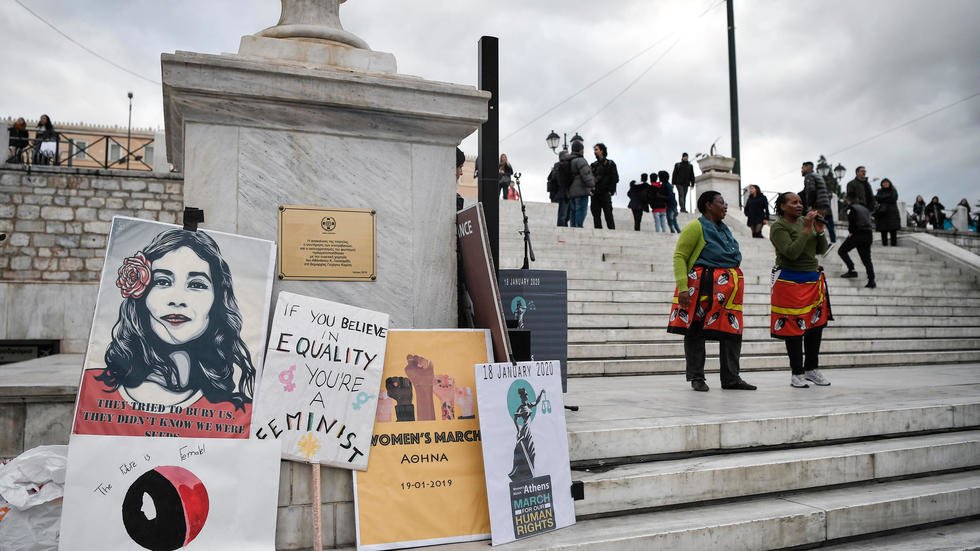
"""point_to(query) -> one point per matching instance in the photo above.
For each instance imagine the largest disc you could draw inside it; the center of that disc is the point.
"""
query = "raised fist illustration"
(444, 388)
(464, 399)
(421, 372)
(400, 389)
(386, 406)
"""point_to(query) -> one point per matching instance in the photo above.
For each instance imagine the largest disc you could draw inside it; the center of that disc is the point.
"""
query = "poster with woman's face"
(178, 335)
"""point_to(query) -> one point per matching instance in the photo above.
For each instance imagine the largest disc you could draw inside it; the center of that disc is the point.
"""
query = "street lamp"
(553, 138)
(840, 171)
(129, 129)
(823, 169)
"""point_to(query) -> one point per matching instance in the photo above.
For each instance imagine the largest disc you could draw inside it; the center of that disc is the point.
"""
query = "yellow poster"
(424, 483)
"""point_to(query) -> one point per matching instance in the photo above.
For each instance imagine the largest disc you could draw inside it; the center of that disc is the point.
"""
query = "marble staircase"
(888, 454)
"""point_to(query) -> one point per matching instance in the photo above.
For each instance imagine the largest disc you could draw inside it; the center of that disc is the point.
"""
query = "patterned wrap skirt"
(800, 302)
(718, 304)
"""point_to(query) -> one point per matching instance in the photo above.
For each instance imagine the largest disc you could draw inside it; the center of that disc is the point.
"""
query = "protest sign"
(537, 300)
(481, 295)
(170, 493)
(319, 392)
(525, 449)
(178, 334)
(424, 483)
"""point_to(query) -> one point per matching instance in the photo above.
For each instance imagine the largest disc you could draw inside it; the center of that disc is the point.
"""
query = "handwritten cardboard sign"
(170, 493)
(319, 392)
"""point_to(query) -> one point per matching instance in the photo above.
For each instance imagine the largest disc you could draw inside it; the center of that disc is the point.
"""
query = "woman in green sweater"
(708, 299)
(800, 303)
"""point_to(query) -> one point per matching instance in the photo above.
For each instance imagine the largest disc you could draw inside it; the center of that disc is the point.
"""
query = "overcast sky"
(814, 76)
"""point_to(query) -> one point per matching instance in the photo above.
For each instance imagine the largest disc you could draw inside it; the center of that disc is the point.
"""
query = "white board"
(525, 449)
(170, 493)
(319, 393)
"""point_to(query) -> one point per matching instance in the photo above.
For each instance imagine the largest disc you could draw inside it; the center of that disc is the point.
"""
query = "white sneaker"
(797, 381)
(817, 378)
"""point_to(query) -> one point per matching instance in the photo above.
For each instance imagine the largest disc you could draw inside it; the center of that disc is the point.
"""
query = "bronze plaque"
(325, 244)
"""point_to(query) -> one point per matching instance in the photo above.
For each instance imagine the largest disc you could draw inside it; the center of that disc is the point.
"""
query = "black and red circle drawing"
(165, 508)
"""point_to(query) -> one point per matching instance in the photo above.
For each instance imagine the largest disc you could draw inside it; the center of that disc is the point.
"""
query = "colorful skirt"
(718, 304)
(800, 302)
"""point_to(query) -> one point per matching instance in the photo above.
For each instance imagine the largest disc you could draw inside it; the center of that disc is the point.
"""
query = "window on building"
(79, 150)
(115, 152)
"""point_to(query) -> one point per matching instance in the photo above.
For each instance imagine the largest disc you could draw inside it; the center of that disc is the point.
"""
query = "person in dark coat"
(936, 213)
(45, 134)
(887, 219)
(19, 141)
(756, 210)
(919, 211)
(638, 199)
(683, 178)
(671, 202)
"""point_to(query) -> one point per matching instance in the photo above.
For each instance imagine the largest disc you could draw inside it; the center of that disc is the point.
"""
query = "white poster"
(525, 448)
(165, 494)
(319, 394)
(178, 333)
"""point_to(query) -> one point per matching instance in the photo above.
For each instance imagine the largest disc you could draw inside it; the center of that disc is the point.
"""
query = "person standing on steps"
(504, 173)
(800, 302)
(708, 299)
(671, 202)
(581, 188)
(887, 218)
(638, 199)
(606, 177)
(683, 178)
(756, 210)
(861, 234)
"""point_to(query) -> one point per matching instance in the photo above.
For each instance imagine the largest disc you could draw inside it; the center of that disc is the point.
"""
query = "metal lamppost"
(129, 129)
(552, 141)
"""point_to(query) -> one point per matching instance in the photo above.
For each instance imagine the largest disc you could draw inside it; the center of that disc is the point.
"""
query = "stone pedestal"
(716, 174)
(306, 115)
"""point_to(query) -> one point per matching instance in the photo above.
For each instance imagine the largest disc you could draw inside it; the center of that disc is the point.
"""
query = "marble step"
(623, 298)
(959, 536)
(926, 288)
(592, 368)
(598, 274)
(675, 349)
(761, 319)
(708, 478)
(759, 333)
(792, 519)
(755, 302)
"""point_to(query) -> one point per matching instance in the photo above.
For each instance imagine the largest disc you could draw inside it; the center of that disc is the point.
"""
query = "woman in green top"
(707, 302)
(800, 304)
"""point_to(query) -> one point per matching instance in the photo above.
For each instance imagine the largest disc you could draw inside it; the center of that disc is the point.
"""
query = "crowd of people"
(573, 181)
(42, 150)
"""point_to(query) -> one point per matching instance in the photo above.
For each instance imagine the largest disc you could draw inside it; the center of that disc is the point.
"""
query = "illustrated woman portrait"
(179, 326)
(524, 449)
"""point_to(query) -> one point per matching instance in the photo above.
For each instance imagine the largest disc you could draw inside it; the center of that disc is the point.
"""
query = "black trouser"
(504, 187)
(602, 203)
(729, 352)
(795, 346)
(893, 234)
(637, 216)
(862, 242)
(682, 196)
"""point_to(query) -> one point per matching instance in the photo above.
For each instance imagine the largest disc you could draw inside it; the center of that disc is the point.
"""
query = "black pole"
(488, 191)
(733, 91)
(129, 129)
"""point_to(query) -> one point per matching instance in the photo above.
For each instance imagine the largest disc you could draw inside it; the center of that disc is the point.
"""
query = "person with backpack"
(606, 177)
(638, 199)
(583, 183)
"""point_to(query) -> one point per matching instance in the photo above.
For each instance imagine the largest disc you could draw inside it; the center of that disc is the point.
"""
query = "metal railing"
(69, 152)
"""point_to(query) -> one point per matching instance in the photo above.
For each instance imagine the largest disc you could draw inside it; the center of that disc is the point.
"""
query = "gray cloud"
(814, 77)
